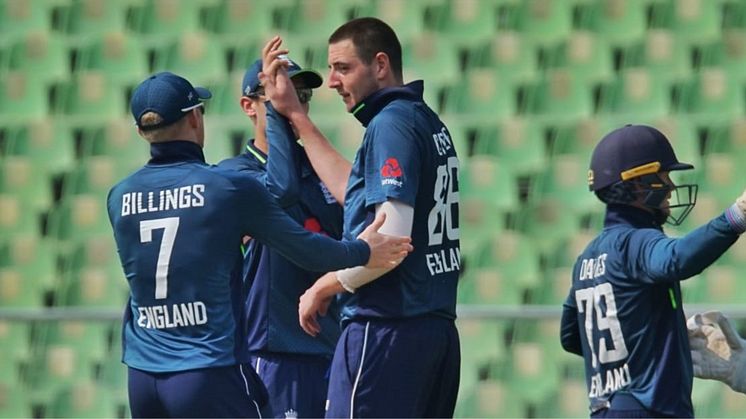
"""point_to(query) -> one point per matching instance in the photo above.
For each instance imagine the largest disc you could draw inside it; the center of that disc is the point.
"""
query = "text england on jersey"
(166, 316)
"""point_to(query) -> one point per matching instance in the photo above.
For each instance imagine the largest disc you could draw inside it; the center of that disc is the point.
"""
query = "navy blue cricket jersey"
(624, 313)
(178, 225)
(274, 283)
(407, 155)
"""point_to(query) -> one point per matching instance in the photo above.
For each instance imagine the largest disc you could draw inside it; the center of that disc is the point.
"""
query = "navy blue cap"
(251, 83)
(168, 95)
(629, 152)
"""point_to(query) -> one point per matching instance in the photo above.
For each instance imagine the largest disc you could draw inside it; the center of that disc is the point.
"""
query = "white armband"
(399, 218)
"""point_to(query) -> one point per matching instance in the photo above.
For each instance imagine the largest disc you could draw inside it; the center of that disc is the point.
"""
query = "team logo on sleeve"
(391, 173)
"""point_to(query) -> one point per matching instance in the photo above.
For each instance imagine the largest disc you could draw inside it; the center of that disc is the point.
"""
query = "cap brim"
(203, 93)
(679, 166)
(311, 79)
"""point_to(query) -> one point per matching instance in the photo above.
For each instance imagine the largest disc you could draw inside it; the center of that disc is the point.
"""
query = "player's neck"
(260, 142)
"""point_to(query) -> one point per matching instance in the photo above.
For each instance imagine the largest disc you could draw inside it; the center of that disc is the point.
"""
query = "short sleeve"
(392, 160)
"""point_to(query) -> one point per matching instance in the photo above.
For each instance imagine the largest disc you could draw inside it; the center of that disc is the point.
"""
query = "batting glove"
(717, 350)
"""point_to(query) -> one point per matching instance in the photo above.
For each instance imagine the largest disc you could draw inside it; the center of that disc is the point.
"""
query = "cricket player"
(293, 365)
(398, 355)
(624, 312)
(178, 225)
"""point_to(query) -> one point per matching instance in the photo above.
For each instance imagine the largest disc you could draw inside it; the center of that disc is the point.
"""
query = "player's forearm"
(682, 258)
(327, 286)
(283, 179)
(333, 169)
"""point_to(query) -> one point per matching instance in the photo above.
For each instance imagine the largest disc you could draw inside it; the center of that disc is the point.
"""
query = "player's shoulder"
(241, 162)
(237, 178)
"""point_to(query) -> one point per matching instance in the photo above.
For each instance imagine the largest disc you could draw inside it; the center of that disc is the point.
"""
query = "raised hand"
(278, 87)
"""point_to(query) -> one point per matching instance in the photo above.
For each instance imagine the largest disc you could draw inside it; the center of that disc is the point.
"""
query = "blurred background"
(526, 87)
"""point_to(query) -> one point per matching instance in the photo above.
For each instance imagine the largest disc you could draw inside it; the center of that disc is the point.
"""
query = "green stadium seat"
(586, 55)
(728, 53)
(482, 95)
(30, 190)
(318, 18)
(91, 97)
(566, 181)
(15, 341)
(93, 275)
(18, 17)
(44, 57)
(22, 99)
(580, 137)
(95, 175)
(637, 94)
(509, 54)
(695, 21)
(545, 22)
(225, 101)
(619, 22)
(161, 22)
(18, 290)
(533, 374)
(407, 18)
(490, 285)
(83, 399)
(119, 55)
(252, 19)
(14, 401)
(683, 136)
(491, 398)
(432, 57)
(723, 285)
(78, 217)
(116, 144)
(712, 96)
(707, 398)
(661, 52)
(559, 97)
(734, 404)
(34, 257)
(517, 142)
(720, 178)
(40, 139)
(195, 56)
(559, 261)
(88, 340)
(113, 376)
(467, 21)
(344, 132)
(487, 192)
(95, 18)
(16, 218)
(570, 400)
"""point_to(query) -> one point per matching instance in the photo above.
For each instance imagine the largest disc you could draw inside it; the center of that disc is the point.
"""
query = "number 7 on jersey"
(170, 226)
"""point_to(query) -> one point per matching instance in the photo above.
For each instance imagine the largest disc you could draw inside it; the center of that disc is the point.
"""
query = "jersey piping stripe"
(359, 371)
(256, 154)
(258, 360)
(248, 393)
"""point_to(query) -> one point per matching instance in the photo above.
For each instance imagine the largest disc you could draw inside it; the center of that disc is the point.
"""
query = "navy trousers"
(234, 391)
(395, 368)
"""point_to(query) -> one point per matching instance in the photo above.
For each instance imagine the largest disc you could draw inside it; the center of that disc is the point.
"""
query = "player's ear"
(247, 105)
(383, 66)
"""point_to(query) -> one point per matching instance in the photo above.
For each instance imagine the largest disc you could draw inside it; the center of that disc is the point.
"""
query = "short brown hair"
(157, 134)
(371, 36)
